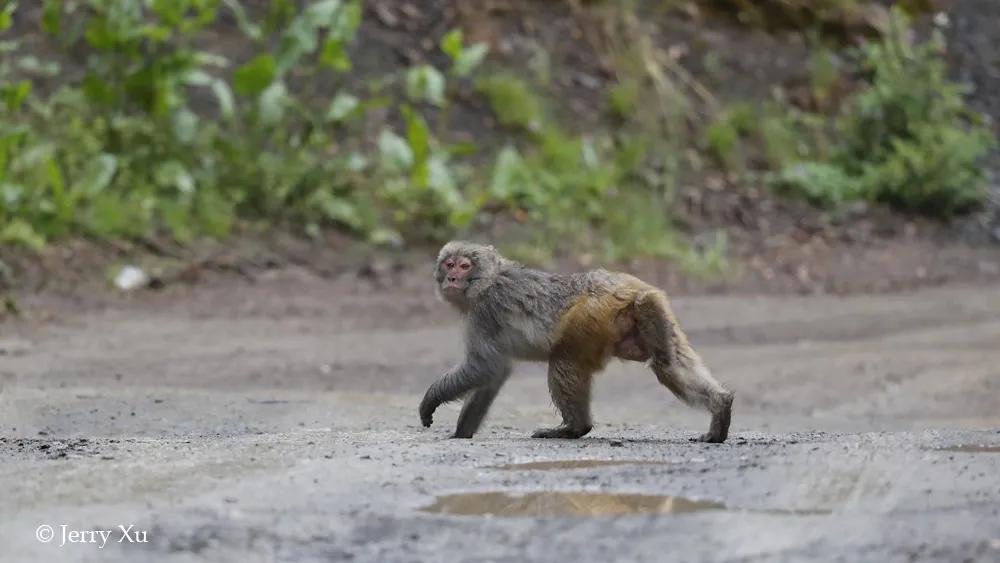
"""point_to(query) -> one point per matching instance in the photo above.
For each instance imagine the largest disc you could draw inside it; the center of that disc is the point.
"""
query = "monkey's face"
(455, 274)
(463, 271)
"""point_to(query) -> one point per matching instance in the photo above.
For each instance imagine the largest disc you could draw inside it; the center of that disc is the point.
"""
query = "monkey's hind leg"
(679, 368)
(569, 385)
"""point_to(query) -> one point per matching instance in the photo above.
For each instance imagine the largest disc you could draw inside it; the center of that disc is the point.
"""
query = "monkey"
(575, 322)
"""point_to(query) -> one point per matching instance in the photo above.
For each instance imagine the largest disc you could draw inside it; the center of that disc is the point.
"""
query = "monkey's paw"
(560, 432)
(709, 438)
(426, 415)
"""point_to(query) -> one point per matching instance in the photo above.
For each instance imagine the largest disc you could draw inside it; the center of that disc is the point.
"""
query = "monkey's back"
(546, 313)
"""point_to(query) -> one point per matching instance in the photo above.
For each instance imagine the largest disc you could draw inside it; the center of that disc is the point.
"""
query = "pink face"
(456, 269)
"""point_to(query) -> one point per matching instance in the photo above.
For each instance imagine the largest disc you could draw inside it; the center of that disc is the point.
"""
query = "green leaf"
(451, 44)
(356, 162)
(60, 199)
(33, 65)
(394, 151)
(441, 182)
(110, 215)
(205, 58)
(6, 15)
(20, 232)
(338, 210)
(273, 103)
(177, 218)
(334, 55)
(198, 77)
(15, 94)
(417, 133)
(255, 76)
(249, 28)
(347, 21)
(342, 106)
(96, 176)
(508, 174)
(224, 97)
(470, 58)
(185, 126)
(385, 237)
(425, 83)
(52, 16)
(175, 175)
(322, 13)
(170, 11)
(97, 90)
(10, 196)
(298, 40)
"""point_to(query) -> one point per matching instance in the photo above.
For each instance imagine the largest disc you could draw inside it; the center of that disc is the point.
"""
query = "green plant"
(623, 98)
(724, 134)
(513, 101)
(159, 137)
(909, 137)
(464, 58)
(818, 183)
(906, 139)
(419, 181)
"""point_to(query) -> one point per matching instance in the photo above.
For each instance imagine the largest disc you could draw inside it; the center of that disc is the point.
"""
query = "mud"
(277, 422)
(549, 504)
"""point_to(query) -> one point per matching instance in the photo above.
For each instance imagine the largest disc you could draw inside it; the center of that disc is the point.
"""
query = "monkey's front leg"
(480, 373)
(474, 410)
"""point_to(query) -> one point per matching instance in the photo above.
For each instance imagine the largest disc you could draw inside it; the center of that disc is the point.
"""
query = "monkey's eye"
(449, 264)
(465, 265)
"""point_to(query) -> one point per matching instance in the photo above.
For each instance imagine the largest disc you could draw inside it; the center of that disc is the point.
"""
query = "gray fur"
(510, 312)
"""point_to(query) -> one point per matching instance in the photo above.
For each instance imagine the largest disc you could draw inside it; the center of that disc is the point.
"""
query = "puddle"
(575, 464)
(972, 448)
(541, 504)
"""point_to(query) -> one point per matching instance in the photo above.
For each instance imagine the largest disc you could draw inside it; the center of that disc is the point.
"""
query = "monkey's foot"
(563, 432)
(458, 436)
(710, 438)
(722, 414)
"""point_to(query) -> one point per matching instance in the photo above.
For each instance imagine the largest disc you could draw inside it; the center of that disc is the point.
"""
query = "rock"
(130, 278)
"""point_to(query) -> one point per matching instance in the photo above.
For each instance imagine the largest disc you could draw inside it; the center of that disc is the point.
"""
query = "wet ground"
(278, 422)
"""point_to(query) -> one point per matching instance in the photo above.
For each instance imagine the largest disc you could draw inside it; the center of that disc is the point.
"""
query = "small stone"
(130, 278)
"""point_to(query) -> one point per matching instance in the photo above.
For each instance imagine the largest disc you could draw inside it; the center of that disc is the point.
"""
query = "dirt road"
(278, 422)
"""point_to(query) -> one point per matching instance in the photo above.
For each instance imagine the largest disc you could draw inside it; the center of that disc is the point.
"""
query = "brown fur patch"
(598, 326)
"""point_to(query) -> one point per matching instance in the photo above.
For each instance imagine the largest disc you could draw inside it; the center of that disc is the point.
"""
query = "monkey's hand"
(427, 408)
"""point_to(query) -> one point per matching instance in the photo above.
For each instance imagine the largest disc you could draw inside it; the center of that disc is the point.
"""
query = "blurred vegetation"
(126, 146)
(905, 138)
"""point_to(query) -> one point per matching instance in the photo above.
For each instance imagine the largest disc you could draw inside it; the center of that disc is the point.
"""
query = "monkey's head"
(464, 270)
